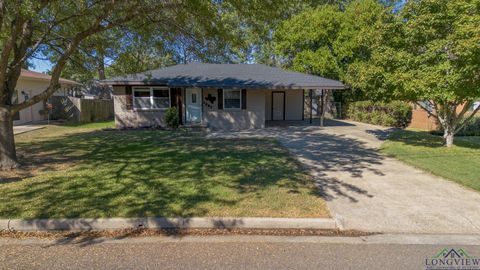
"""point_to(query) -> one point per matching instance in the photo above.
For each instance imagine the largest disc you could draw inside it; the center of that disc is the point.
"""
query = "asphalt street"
(232, 252)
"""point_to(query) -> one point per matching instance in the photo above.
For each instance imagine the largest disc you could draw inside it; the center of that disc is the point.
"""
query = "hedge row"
(393, 114)
(471, 128)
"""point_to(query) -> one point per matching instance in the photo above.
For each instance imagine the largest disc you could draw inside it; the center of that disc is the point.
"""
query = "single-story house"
(31, 83)
(218, 96)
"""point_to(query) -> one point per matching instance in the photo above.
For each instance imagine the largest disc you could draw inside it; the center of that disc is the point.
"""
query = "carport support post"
(310, 94)
(322, 112)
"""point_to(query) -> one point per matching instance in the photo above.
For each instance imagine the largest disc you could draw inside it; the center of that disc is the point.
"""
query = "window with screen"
(148, 98)
(232, 99)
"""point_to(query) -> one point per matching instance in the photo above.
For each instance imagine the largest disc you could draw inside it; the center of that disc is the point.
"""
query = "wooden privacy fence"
(81, 110)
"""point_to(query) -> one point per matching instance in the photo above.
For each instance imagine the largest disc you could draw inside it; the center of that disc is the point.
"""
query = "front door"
(278, 105)
(193, 105)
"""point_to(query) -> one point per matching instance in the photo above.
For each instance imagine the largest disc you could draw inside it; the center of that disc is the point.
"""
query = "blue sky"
(41, 65)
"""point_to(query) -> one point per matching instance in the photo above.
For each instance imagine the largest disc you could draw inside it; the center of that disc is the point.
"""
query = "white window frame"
(151, 98)
(224, 95)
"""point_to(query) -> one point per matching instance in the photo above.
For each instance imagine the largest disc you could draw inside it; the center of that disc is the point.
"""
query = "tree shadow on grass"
(382, 134)
(427, 139)
(147, 174)
(155, 174)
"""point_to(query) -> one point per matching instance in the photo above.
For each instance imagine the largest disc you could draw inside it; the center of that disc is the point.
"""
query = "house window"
(151, 98)
(232, 99)
(160, 98)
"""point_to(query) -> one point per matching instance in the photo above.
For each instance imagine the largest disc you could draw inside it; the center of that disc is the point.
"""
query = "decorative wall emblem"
(210, 100)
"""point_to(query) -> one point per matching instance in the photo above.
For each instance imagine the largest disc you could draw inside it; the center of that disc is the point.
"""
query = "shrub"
(376, 118)
(171, 118)
(393, 114)
(471, 128)
(391, 121)
(400, 112)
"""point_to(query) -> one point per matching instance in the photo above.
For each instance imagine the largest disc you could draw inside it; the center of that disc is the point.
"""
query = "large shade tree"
(328, 39)
(428, 53)
(68, 28)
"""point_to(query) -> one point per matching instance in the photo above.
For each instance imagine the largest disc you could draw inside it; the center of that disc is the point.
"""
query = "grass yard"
(460, 163)
(82, 171)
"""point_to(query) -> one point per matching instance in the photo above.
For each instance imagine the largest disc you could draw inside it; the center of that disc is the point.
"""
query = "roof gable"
(29, 74)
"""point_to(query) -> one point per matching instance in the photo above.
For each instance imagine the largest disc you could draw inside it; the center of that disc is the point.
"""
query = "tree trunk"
(101, 67)
(448, 136)
(8, 155)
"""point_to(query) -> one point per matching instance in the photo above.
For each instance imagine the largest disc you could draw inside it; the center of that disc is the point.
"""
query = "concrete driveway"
(26, 128)
(368, 191)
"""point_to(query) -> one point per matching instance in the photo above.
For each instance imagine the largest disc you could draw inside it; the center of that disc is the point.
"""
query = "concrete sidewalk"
(26, 128)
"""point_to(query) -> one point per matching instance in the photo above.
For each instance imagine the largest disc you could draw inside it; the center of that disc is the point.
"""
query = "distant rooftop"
(226, 76)
(44, 77)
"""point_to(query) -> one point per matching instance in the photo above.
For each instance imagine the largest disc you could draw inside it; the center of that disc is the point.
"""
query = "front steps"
(195, 129)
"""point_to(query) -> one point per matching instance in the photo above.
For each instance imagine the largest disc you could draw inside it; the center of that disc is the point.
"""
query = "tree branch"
(72, 46)
(465, 121)
(466, 107)
(427, 110)
(20, 51)
(6, 51)
(34, 47)
(2, 13)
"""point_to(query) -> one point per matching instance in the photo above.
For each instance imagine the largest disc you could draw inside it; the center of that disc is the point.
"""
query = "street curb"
(86, 224)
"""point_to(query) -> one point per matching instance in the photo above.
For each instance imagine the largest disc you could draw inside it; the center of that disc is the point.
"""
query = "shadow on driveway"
(322, 153)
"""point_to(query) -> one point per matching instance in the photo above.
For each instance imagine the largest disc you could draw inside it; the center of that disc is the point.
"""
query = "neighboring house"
(30, 84)
(218, 96)
(422, 120)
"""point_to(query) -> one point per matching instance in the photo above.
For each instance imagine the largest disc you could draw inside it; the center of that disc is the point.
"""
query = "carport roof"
(226, 76)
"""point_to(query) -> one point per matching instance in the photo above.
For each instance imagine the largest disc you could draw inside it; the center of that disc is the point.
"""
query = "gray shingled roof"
(226, 76)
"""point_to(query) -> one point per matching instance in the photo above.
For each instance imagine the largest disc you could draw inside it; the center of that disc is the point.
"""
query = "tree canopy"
(328, 39)
(82, 36)
(425, 51)
(428, 52)
(419, 50)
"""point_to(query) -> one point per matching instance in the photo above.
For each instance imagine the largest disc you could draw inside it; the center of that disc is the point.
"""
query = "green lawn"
(81, 171)
(460, 163)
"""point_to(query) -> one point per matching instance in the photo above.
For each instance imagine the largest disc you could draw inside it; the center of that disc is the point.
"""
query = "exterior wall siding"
(293, 104)
(32, 88)
(258, 110)
(251, 118)
(132, 118)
